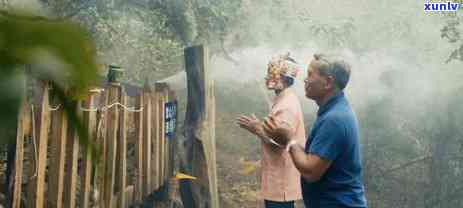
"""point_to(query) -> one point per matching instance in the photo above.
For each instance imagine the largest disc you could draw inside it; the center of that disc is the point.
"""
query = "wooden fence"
(135, 135)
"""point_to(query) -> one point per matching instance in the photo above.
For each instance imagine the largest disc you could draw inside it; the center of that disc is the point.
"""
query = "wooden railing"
(52, 169)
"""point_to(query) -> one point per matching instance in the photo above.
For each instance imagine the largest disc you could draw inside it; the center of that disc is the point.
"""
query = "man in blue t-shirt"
(330, 163)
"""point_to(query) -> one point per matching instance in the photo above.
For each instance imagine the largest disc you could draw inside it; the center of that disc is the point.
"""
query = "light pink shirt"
(280, 180)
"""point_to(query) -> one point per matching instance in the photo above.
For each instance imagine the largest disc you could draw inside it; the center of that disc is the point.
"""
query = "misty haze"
(406, 84)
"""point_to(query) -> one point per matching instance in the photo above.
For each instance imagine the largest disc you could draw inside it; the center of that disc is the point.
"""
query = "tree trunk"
(199, 159)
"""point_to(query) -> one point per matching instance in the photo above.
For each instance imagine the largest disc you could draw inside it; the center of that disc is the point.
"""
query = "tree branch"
(77, 11)
(419, 159)
(226, 54)
(406, 164)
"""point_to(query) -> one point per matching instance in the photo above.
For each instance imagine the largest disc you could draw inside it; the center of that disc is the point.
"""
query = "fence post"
(111, 144)
(174, 194)
(199, 132)
(36, 198)
(72, 157)
(173, 141)
(101, 141)
(160, 138)
(19, 154)
(147, 186)
(166, 165)
(58, 151)
(90, 124)
(122, 154)
(138, 195)
(156, 154)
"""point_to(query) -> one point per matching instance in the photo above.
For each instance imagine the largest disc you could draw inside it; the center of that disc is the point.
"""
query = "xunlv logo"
(442, 6)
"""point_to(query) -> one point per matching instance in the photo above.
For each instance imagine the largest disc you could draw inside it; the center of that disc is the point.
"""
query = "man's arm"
(311, 166)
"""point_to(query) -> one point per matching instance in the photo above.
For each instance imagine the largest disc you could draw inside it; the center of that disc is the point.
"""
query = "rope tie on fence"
(129, 109)
(105, 108)
(88, 109)
(54, 108)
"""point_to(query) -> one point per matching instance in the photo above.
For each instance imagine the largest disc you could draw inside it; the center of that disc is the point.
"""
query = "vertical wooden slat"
(18, 165)
(38, 188)
(31, 153)
(90, 124)
(173, 141)
(173, 189)
(72, 157)
(139, 149)
(101, 141)
(156, 154)
(122, 154)
(213, 155)
(147, 141)
(166, 140)
(199, 131)
(58, 148)
(162, 143)
(111, 145)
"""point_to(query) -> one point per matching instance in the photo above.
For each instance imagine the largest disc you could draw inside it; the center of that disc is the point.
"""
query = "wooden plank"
(101, 141)
(173, 141)
(213, 156)
(138, 192)
(199, 131)
(31, 153)
(58, 152)
(147, 141)
(162, 139)
(111, 145)
(19, 155)
(159, 140)
(156, 154)
(38, 189)
(174, 191)
(90, 124)
(122, 154)
(72, 157)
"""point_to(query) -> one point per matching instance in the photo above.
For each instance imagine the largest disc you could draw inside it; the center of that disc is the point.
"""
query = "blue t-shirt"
(334, 137)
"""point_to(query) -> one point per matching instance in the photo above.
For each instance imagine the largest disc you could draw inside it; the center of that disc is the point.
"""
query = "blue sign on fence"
(170, 117)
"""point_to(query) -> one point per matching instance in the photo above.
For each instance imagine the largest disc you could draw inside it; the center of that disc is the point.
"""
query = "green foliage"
(452, 33)
(61, 54)
(335, 34)
(25, 39)
(135, 38)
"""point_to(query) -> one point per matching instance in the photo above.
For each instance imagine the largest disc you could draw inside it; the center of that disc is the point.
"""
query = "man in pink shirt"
(280, 180)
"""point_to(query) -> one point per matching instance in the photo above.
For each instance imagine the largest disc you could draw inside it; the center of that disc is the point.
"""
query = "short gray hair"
(329, 66)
